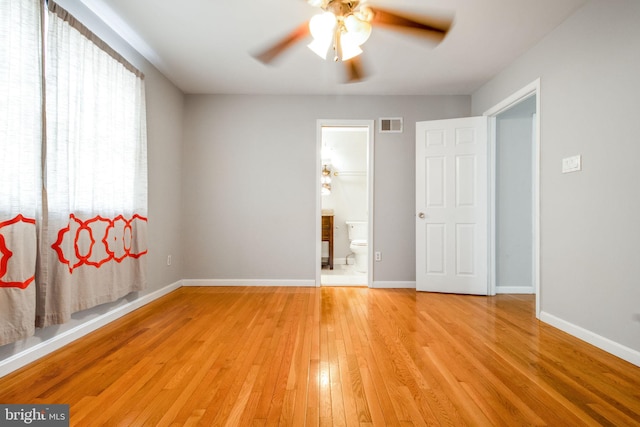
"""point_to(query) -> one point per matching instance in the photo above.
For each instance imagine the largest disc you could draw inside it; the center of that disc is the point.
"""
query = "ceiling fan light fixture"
(358, 30)
(320, 47)
(322, 29)
(322, 26)
(364, 13)
(349, 48)
(345, 25)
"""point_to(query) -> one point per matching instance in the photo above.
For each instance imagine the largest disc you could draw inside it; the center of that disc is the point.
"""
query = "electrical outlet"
(168, 259)
(378, 256)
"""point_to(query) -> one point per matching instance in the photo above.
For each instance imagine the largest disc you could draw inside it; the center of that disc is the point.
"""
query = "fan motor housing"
(341, 7)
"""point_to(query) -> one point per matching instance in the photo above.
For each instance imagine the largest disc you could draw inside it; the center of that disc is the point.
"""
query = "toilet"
(358, 233)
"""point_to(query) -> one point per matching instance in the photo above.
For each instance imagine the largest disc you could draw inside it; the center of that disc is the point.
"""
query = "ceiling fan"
(344, 25)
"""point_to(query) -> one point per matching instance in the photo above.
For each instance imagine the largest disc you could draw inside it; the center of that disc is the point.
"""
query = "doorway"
(344, 202)
(510, 231)
(514, 200)
(514, 144)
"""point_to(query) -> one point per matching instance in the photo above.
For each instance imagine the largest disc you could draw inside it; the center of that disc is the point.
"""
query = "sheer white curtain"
(94, 234)
(20, 154)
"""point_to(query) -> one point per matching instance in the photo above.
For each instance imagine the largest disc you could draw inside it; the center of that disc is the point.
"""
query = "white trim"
(393, 285)
(318, 210)
(34, 353)
(529, 90)
(370, 125)
(492, 158)
(248, 282)
(532, 89)
(515, 290)
(617, 349)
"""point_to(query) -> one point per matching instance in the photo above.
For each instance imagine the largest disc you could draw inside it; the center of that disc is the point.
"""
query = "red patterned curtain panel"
(90, 210)
(20, 164)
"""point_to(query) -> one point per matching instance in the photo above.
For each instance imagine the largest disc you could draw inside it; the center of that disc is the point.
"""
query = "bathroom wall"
(250, 182)
(349, 193)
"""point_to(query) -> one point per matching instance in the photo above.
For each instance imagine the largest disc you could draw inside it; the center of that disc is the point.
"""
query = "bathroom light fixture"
(325, 180)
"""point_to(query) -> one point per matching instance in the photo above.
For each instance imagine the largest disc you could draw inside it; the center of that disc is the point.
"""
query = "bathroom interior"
(344, 180)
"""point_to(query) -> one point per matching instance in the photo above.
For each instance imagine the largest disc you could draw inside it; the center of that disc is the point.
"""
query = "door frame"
(370, 125)
(532, 89)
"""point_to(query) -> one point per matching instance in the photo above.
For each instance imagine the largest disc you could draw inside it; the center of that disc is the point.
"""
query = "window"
(73, 204)
(20, 108)
(96, 158)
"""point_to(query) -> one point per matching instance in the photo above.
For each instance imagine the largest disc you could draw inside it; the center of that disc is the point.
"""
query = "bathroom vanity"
(327, 236)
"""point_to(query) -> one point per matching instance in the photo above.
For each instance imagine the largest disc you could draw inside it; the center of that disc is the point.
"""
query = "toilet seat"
(358, 243)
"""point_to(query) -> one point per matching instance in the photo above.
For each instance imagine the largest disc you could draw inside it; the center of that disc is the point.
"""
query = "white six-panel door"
(451, 206)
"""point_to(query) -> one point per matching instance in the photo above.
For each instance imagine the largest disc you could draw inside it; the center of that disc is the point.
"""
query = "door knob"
(421, 215)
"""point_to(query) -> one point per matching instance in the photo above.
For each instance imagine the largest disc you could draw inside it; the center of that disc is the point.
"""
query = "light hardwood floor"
(332, 356)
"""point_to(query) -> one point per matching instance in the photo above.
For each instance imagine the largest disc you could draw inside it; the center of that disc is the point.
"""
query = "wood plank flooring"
(332, 357)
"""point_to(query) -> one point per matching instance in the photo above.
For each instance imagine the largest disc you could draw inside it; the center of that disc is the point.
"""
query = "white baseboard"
(34, 353)
(617, 349)
(393, 285)
(515, 290)
(248, 282)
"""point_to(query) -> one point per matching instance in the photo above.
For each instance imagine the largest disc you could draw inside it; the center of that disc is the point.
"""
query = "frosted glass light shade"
(358, 30)
(320, 47)
(350, 48)
(322, 28)
(322, 25)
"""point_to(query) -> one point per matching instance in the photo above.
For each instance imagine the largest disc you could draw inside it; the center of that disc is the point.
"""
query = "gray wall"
(514, 198)
(164, 135)
(589, 70)
(250, 182)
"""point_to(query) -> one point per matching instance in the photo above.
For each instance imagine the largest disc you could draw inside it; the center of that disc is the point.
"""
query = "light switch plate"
(572, 164)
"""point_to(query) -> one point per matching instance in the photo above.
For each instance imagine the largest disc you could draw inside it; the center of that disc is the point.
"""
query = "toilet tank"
(358, 230)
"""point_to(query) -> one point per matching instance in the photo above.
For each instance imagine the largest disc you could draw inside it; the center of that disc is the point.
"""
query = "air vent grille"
(390, 124)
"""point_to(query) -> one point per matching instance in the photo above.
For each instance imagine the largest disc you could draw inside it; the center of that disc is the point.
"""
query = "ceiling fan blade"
(271, 53)
(429, 27)
(355, 71)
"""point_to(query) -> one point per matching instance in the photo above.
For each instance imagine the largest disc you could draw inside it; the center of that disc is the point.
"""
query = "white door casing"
(451, 206)
(368, 124)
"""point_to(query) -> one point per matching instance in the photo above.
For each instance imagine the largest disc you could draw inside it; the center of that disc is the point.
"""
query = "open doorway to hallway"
(514, 198)
(515, 193)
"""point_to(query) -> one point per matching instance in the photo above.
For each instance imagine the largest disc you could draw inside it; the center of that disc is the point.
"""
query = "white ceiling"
(205, 46)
